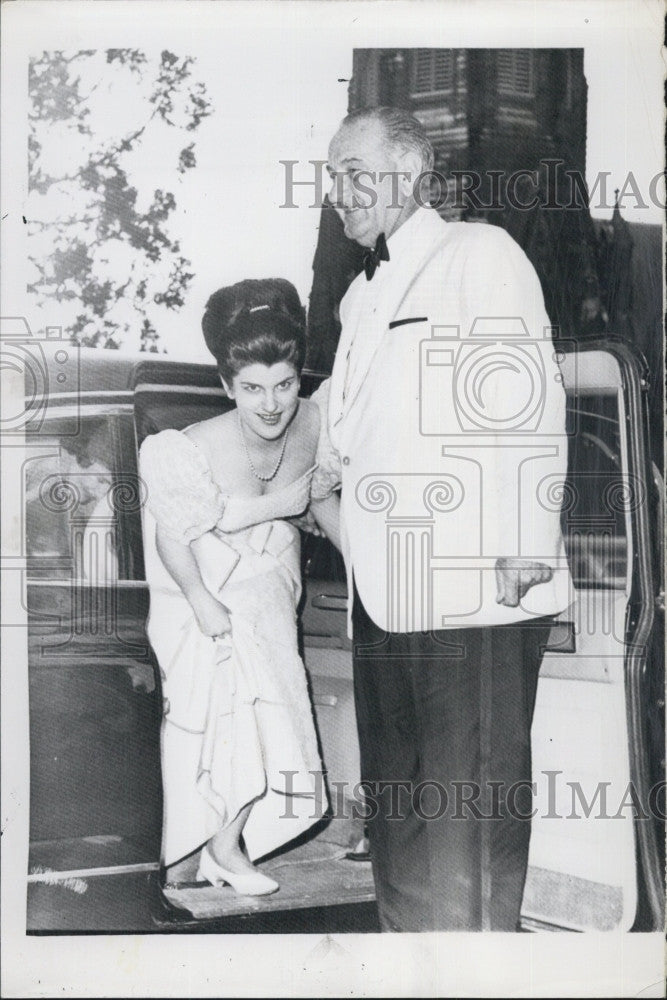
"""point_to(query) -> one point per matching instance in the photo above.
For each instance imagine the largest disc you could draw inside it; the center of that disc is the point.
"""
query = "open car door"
(596, 857)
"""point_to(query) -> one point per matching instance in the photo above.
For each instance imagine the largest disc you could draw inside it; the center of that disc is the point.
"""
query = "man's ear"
(412, 167)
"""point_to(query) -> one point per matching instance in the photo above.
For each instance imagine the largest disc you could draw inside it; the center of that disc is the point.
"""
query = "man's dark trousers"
(445, 717)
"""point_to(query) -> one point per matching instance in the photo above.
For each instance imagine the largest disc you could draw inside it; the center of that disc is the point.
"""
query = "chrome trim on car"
(125, 393)
(63, 581)
(85, 410)
(192, 390)
(55, 876)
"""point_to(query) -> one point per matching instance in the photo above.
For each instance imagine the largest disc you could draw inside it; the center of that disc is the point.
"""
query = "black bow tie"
(374, 255)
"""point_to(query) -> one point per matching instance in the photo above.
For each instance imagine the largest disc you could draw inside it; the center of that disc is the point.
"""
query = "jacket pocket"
(404, 322)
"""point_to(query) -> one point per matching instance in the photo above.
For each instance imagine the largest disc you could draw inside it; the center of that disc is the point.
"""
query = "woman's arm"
(179, 559)
(327, 514)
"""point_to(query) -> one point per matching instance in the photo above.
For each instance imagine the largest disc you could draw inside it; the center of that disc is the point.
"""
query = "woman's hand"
(212, 617)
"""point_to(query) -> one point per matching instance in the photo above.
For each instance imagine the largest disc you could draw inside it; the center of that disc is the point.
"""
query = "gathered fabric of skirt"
(238, 722)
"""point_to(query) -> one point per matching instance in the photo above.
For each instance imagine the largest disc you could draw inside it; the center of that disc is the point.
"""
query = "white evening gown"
(237, 727)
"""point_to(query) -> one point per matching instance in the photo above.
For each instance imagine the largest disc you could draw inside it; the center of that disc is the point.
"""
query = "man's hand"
(306, 522)
(515, 577)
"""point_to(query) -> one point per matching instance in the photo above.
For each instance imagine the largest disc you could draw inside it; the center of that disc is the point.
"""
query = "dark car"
(95, 701)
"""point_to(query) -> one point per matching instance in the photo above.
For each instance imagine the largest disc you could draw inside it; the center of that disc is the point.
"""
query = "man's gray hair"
(401, 130)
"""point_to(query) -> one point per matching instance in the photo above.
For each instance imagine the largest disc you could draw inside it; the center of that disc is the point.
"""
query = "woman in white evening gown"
(239, 750)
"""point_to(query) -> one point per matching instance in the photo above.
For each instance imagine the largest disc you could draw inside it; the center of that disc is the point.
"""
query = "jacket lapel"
(366, 329)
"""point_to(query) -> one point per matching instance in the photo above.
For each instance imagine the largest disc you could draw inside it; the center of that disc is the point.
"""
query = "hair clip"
(257, 308)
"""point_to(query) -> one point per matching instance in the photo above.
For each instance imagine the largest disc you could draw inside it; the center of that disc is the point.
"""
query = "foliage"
(100, 240)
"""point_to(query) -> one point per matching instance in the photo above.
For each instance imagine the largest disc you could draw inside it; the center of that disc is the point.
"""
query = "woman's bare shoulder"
(213, 430)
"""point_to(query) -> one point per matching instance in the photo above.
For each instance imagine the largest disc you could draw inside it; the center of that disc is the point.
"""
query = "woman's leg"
(225, 847)
(224, 863)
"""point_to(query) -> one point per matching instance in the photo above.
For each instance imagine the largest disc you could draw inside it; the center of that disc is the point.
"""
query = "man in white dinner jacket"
(447, 413)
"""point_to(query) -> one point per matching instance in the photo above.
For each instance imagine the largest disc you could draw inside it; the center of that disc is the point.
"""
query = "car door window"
(70, 525)
(598, 495)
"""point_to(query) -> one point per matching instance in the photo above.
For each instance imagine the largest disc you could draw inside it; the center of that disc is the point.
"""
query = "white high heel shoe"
(247, 884)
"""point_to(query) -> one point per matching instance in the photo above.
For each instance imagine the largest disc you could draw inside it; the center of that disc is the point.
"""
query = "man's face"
(367, 203)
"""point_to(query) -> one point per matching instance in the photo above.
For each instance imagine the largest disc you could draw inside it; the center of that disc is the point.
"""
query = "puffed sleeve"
(327, 475)
(182, 496)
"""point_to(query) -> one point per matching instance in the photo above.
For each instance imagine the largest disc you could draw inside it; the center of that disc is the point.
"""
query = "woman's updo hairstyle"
(256, 321)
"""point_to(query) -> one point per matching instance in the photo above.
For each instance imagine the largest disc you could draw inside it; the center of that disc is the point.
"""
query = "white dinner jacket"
(447, 409)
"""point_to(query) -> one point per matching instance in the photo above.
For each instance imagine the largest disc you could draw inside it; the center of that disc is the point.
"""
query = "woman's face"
(266, 396)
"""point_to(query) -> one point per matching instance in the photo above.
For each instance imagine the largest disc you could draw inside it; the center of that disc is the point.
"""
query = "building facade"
(508, 127)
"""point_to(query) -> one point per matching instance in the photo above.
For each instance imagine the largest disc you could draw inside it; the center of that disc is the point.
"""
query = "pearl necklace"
(256, 474)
